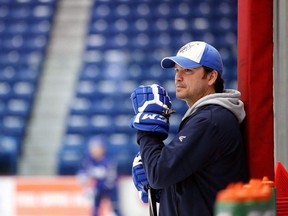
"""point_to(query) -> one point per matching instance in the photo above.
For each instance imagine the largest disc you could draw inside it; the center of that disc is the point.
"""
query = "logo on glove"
(151, 116)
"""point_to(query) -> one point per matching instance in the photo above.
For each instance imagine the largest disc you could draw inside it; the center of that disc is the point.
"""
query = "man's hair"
(219, 84)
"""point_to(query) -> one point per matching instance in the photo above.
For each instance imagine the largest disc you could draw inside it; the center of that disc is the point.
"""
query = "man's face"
(96, 151)
(191, 84)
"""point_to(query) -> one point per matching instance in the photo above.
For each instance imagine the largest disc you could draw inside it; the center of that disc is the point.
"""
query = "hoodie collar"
(229, 99)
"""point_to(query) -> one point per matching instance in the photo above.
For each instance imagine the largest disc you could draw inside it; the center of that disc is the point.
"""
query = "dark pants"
(112, 195)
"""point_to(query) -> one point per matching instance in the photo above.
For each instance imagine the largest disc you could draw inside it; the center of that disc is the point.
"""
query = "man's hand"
(152, 107)
(153, 98)
(139, 178)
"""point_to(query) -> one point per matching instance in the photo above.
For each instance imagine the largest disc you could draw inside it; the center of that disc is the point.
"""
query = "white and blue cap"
(195, 54)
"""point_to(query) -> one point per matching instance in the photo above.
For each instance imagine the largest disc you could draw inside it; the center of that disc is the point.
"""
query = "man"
(207, 153)
(102, 171)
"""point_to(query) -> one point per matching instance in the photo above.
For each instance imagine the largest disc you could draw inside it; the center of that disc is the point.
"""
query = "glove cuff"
(150, 122)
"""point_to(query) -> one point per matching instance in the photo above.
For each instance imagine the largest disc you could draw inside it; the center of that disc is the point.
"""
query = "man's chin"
(179, 96)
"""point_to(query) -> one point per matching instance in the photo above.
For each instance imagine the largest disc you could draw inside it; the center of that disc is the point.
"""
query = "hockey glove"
(153, 98)
(139, 178)
(152, 107)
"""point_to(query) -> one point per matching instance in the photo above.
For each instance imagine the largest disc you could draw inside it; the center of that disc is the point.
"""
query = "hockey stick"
(152, 202)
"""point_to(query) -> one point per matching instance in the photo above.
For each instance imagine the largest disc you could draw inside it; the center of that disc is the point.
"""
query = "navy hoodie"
(204, 157)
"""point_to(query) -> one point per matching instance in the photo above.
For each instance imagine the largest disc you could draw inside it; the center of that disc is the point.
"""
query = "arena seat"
(69, 161)
(8, 155)
(24, 34)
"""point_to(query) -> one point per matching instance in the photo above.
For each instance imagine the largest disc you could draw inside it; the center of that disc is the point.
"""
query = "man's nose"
(178, 76)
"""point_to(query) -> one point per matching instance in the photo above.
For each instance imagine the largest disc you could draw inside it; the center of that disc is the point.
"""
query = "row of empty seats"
(25, 27)
(125, 43)
(164, 9)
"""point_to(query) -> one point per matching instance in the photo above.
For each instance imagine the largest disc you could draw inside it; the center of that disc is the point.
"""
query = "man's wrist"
(152, 135)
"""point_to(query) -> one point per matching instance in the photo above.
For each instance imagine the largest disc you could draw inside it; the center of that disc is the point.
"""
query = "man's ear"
(212, 77)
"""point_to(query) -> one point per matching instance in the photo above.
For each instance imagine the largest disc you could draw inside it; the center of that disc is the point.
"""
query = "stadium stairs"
(63, 58)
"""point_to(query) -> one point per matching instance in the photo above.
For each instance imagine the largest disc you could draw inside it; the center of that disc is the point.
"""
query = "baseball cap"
(195, 54)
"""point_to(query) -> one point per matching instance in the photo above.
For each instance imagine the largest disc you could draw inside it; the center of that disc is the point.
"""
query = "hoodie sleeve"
(192, 148)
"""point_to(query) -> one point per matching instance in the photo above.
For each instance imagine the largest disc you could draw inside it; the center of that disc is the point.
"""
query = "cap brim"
(169, 62)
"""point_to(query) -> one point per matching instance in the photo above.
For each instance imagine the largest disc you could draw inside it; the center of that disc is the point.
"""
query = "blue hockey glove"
(143, 195)
(153, 98)
(150, 122)
(152, 106)
(139, 178)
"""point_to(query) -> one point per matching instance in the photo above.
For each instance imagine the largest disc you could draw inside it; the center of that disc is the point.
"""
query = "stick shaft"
(152, 202)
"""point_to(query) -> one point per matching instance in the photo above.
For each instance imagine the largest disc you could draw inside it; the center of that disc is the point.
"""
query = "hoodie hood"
(229, 99)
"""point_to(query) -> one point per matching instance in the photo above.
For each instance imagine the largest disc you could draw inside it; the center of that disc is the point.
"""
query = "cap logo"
(186, 47)
(193, 51)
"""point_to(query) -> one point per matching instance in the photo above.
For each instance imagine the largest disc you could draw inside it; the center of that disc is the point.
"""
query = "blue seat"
(91, 71)
(71, 153)
(121, 123)
(34, 58)
(106, 87)
(13, 125)
(102, 123)
(35, 43)
(33, 3)
(29, 73)
(230, 75)
(69, 162)
(8, 155)
(85, 88)
(5, 90)
(18, 107)
(103, 105)
(11, 57)
(4, 2)
(74, 141)
(226, 8)
(12, 41)
(41, 11)
(81, 106)
(226, 40)
(135, 72)
(40, 27)
(23, 89)
(224, 24)
(162, 9)
(3, 109)
(119, 139)
(8, 74)
(124, 106)
(122, 148)
(19, 72)
(4, 11)
(77, 124)
(15, 58)
(18, 11)
(3, 25)
(16, 27)
(96, 41)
